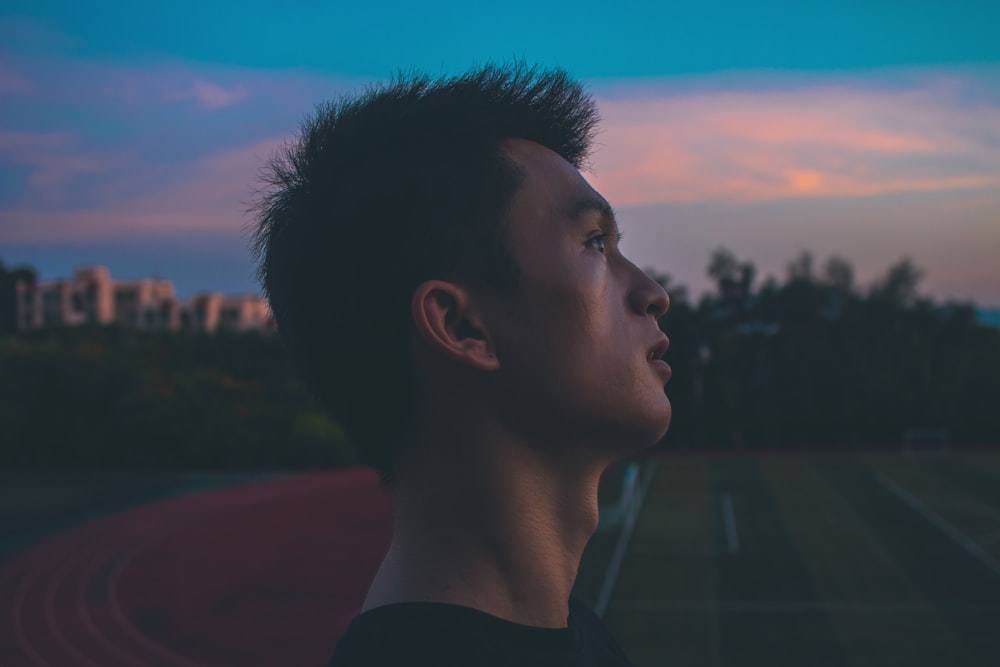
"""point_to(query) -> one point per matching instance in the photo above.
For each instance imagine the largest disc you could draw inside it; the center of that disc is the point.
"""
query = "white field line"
(729, 520)
(793, 607)
(635, 506)
(954, 533)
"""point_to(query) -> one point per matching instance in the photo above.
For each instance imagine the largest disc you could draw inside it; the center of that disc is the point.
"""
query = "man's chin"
(669, 414)
(663, 425)
(660, 421)
(644, 439)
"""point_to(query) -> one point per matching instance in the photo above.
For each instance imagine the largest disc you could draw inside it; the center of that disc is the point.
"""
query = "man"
(452, 288)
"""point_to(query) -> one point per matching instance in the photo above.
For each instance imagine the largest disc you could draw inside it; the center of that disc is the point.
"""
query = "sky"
(131, 133)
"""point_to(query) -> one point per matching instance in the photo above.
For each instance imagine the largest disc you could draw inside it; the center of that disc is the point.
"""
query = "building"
(243, 313)
(146, 304)
(92, 297)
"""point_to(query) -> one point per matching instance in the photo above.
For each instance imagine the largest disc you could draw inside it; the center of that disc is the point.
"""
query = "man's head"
(398, 213)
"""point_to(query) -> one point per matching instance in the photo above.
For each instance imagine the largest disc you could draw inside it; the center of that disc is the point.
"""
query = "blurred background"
(817, 187)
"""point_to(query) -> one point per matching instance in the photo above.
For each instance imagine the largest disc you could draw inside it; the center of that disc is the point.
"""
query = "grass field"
(822, 561)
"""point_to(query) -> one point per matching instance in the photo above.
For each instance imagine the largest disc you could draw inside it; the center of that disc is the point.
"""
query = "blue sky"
(131, 132)
(593, 39)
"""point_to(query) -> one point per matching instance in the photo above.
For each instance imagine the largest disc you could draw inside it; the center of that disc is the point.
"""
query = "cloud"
(845, 138)
(208, 95)
(95, 134)
(211, 196)
(53, 160)
(860, 166)
(174, 83)
(720, 141)
(14, 144)
(119, 89)
(13, 83)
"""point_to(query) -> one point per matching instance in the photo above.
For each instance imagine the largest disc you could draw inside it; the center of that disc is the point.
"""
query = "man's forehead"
(591, 202)
(532, 156)
(544, 164)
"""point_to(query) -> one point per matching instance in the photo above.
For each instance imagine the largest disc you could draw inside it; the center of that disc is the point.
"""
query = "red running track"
(261, 574)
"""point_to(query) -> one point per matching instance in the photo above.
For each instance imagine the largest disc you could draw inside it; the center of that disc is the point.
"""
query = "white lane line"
(729, 520)
(795, 607)
(611, 577)
(954, 533)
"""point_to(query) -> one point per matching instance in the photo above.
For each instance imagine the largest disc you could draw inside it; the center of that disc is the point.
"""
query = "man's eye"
(598, 242)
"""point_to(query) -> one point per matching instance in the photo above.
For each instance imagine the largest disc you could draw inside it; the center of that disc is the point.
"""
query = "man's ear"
(445, 320)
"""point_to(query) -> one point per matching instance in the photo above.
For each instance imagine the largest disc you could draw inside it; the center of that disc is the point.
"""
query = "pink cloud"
(211, 195)
(208, 95)
(176, 83)
(838, 140)
(77, 184)
(843, 140)
(15, 143)
(53, 159)
(105, 86)
(12, 83)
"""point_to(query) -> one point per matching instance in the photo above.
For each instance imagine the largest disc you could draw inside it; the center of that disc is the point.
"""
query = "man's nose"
(659, 303)
(650, 298)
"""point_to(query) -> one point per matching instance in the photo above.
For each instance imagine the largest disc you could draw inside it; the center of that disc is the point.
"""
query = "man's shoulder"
(441, 634)
(595, 636)
(402, 633)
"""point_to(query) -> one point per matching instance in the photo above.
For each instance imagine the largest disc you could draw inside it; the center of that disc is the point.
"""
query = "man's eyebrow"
(598, 204)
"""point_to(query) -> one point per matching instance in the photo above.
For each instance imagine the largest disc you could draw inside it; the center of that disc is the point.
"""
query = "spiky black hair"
(379, 192)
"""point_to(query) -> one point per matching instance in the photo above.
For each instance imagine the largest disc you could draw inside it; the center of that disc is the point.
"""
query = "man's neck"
(491, 527)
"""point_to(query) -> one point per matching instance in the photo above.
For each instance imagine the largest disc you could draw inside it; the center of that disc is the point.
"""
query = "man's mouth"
(655, 358)
(657, 351)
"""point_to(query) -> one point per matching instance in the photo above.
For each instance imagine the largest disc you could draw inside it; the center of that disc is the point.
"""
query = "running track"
(261, 574)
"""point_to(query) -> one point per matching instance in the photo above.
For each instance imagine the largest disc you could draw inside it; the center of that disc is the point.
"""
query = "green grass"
(833, 566)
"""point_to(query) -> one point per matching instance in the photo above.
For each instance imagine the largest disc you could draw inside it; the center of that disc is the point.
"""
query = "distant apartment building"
(91, 296)
(211, 311)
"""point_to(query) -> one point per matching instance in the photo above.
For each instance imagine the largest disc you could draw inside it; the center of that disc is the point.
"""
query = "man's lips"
(659, 349)
(655, 357)
(662, 367)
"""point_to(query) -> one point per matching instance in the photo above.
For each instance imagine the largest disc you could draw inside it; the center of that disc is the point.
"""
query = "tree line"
(813, 360)
(111, 397)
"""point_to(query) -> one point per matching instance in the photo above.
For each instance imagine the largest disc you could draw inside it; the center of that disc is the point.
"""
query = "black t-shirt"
(435, 634)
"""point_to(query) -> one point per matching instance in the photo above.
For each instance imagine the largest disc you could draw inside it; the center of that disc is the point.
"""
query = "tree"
(8, 295)
(801, 268)
(733, 279)
(899, 285)
(839, 274)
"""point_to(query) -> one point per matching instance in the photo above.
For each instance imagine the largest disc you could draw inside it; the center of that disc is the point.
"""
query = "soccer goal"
(926, 443)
